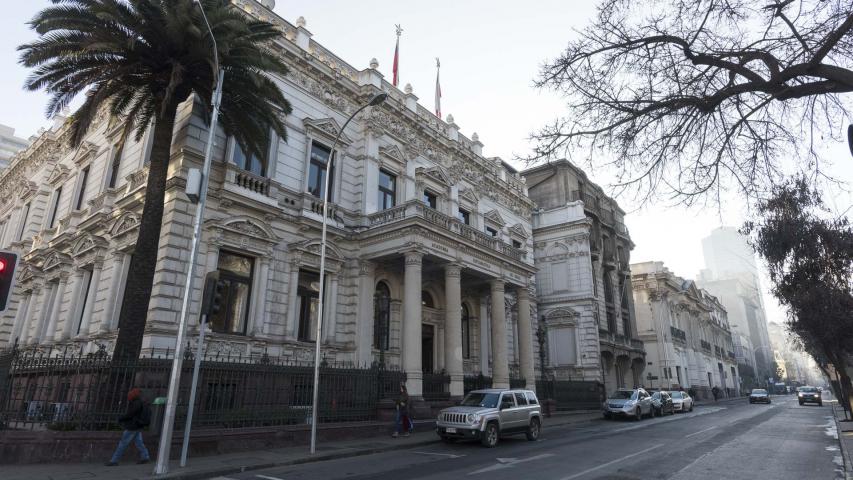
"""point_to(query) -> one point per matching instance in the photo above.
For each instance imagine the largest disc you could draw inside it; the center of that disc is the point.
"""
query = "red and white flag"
(397, 58)
(437, 89)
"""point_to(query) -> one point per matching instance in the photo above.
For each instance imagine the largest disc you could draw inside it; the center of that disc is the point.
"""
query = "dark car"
(759, 395)
(662, 403)
(809, 395)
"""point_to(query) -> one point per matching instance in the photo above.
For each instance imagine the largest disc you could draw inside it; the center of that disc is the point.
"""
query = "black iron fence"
(436, 387)
(42, 390)
(571, 394)
(480, 381)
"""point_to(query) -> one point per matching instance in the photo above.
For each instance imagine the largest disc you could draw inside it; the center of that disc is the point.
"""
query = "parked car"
(662, 403)
(681, 402)
(759, 395)
(810, 395)
(489, 414)
(636, 404)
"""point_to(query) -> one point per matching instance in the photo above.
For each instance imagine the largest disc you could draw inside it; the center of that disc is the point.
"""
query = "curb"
(845, 455)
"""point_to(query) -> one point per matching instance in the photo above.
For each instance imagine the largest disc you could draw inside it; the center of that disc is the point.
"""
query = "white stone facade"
(582, 250)
(686, 333)
(442, 258)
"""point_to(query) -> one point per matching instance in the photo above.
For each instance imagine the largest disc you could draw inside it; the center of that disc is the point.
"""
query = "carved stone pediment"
(519, 230)
(436, 174)
(126, 222)
(27, 273)
(248, 226)
(393, 152)
(26, 189)
(495, 217)
(55, 260)
(326, 127)
(469, 195)
(58, 174)
(85, 151)
(85, 244)
(312, 249)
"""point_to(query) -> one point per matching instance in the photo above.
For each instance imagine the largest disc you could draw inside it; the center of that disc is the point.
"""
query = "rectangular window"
(516, 244)
(236, 272)
(81, 193)
(25, 213)
(308, 292)
(321, 161)
(387, 190)
(85, 297)
(54, 209)
(115, 165)
(491, 231)
(430, 199)
(251, 163)
(464, 216)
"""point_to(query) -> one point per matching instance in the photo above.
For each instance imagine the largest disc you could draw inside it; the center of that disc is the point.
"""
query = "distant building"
(9, 145)
(685, 331)
(582, 251)
(732, 276)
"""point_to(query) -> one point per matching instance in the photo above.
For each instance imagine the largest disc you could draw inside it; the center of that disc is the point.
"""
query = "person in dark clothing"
(137, 417)
(715, 392)
(403, 418)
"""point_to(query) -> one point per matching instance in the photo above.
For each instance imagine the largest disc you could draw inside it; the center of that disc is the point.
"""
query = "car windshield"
(488, 400)
(677, 395)
(656, 395)
(759, 391)
(623, 395)
(808, 389)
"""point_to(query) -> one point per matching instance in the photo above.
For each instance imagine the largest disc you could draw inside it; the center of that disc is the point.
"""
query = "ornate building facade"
(430, 261)
(582, 250)
(686, 332)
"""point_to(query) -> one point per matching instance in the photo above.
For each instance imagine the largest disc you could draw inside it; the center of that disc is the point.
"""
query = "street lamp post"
(162, 465)
(375, 100)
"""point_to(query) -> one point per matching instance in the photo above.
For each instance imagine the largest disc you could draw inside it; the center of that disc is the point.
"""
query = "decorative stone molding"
(86, 151)
(327, 128)
(393, 152)
(495, 217)
(519, 230)
(58, 174)
(126, 222)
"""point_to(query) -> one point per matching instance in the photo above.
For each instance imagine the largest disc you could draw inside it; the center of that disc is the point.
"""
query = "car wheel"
(801, 404)
(607, 416)
(638, 415)
(533, 429)
(819, 404)
(691, 408)
(490, 435)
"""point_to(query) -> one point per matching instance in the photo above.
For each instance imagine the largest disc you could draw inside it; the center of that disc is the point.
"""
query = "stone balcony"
(678, 334)
(618, 340)
(415, 209)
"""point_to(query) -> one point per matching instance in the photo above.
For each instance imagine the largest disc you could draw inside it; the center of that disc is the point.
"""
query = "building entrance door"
(427, 346)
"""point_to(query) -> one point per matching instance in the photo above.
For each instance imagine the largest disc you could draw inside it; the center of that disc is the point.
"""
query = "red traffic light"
(2, 266)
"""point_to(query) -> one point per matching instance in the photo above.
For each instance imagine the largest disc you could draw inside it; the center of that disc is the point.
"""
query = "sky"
(490, 53)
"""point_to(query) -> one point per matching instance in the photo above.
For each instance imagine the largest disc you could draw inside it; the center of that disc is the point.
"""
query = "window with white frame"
(236, 271)
(54, 207)
(115, 165)
(321, 162)
(87, 281)
(81, 188)
(252, 163)
(22, 225)
(387, 190)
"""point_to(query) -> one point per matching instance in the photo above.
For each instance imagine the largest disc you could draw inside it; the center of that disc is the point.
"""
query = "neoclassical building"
(686, 332)
(430, 252)
(581, 251)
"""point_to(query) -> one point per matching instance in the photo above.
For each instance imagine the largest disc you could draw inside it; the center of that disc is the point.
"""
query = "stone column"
(525, 338)
(292, 329)
(259, 319)
(500, 362)
(485, 337)
(29, 335)
(20, 319)
(53, 310)
(91, 298)
(331, 309)
(364, 322)
(110, 314)
(453, 328)
(412, 324)
(74, 306)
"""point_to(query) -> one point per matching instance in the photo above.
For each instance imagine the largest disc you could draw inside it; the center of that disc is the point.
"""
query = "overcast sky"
(490, 52)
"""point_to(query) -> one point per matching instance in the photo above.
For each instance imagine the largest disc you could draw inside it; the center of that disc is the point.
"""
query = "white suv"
(636, 403)
(486, 415)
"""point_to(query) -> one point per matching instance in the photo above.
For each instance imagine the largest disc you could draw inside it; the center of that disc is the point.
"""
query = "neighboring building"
(732, 276)
(429, 260)
(582, 250)
(9, 145)
(685, 331)
(799, 367)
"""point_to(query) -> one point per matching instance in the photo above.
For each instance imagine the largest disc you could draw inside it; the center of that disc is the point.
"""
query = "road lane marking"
(700, 431)
(449, 455)
(508, 462)
(605, 465)
(266, 477)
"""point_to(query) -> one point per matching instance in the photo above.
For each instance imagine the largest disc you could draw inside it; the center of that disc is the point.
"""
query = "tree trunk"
(845, 386)
(140, 275)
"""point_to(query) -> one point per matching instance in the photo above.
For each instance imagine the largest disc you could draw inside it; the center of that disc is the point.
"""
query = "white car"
(681, 401)
(636, 404)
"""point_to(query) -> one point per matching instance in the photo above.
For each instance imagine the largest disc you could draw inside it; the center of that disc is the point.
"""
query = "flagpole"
(437, 89)
(396, 80)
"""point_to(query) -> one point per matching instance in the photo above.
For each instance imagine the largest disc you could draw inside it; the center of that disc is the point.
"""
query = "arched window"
(466, 332)
(426, 299)
(381, 316)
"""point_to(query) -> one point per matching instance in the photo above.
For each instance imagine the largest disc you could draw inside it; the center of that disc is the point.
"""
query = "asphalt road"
(727, 441)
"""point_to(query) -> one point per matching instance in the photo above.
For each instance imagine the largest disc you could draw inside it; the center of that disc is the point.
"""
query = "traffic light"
(8, 264)
(214, 294)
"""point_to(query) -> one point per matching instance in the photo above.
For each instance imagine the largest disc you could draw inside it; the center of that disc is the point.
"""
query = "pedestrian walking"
(404, 420)
(137, 417)
(715, 392)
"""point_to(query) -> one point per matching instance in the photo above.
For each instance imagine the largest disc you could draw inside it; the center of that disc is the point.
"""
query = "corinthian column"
(500, 362)
(453, 329)
(412, 324)
(525, 338)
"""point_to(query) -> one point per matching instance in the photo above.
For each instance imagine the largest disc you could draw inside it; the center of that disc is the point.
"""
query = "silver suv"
(485, 415)
(624, 402)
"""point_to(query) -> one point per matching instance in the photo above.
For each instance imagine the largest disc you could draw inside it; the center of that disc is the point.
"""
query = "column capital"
(497, 284)
(366, 267)
(453, 270)
(522, 292)
(414, 257)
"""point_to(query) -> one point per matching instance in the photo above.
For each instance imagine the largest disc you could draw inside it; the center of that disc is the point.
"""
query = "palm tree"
(141, 59)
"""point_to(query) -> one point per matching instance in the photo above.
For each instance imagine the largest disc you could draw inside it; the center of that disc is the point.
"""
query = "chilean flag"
(397, 58)
(437, 90)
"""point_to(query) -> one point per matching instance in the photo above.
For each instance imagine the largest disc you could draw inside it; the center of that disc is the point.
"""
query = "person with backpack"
(137, 417)
(403, 418)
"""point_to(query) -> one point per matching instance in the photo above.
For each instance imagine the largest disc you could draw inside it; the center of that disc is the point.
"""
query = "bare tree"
(691, 97)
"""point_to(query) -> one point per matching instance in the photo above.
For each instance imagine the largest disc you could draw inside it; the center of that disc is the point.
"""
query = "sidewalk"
(221, 465)
(845, 438)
